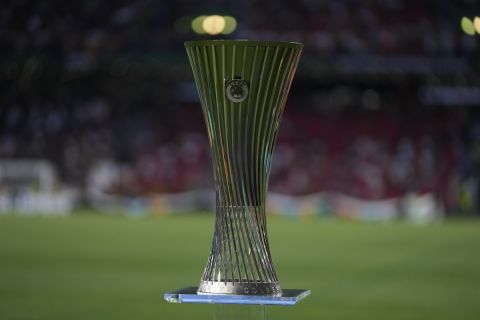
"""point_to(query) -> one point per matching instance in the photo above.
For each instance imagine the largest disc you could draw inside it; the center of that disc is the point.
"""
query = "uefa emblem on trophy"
(243, 87)
(236, 89)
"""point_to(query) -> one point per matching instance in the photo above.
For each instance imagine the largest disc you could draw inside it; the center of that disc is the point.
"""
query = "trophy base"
(288, 297)
(240, 288)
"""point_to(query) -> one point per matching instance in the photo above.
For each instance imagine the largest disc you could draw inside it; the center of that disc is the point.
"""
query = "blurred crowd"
(369, 154)
(352, 133)
(388, 27)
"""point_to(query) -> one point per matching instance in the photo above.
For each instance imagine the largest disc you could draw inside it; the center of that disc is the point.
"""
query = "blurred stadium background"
(99, 116)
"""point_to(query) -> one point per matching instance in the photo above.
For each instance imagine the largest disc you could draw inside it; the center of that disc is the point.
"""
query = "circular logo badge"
(236, 90)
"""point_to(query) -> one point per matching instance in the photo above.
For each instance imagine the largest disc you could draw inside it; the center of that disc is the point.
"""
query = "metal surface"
(243, 87)
(288, 297)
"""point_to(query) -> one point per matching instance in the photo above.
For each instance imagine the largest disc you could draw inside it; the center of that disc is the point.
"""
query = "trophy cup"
(243, 87)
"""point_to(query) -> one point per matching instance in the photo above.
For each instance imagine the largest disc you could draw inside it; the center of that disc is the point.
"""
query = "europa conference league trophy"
(243, 86)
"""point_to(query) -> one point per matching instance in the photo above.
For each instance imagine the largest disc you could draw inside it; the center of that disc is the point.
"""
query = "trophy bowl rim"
(219, 42)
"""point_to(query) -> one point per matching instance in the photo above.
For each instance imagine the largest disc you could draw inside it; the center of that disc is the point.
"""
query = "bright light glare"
(476, 24)
(467, 26)
(197, 24)
(230, 25)
(214, 24)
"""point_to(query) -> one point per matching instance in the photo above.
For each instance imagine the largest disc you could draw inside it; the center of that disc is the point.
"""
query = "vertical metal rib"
(247, 217)
(242, 135)
(255, 175)
(236, 124)
(240, 215)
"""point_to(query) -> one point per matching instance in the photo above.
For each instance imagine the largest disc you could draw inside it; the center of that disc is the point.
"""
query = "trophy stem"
(239, 312)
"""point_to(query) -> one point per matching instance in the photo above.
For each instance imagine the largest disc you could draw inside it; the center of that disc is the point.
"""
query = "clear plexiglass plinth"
(189, 295)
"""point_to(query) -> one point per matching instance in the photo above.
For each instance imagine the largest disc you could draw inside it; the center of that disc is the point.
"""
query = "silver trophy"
(243, 87)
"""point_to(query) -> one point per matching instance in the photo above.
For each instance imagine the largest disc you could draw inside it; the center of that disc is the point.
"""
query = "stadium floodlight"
(213, 24)
(467, 26)
(476, 24)
(243, 87)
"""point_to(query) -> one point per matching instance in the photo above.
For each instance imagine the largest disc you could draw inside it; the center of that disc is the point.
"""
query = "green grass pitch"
(102, 267)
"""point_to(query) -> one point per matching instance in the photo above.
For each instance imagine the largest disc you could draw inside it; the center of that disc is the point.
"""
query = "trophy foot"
(240, 288)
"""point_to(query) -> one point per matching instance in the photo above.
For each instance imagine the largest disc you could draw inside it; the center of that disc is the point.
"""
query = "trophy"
(243, 87)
